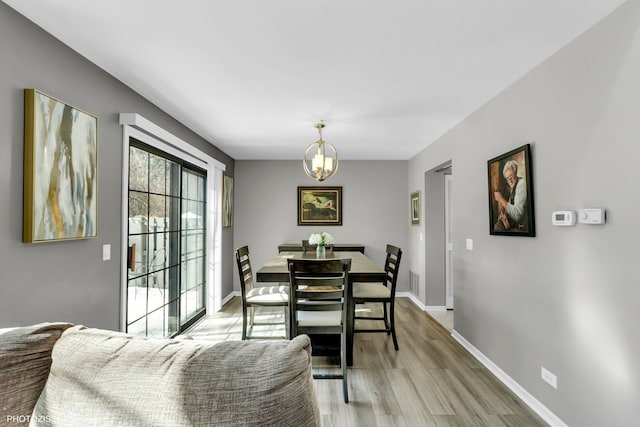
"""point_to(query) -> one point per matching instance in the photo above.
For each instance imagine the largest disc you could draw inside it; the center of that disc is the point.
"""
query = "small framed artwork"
(227, 201)
(60, 170)
(511, 194)
(414, 206)
(319, 205)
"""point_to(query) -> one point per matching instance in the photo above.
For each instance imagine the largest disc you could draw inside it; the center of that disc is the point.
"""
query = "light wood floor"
(445, 318)
(430, 381)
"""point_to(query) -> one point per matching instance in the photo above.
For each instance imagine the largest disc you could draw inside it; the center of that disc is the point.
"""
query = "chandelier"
(324, 162)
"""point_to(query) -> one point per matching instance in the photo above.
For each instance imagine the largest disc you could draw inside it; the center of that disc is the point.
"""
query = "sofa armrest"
(25, 359)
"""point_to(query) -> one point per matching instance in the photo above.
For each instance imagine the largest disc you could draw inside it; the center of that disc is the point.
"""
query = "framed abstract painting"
(60, 170)
(227, 201)
(414, 200)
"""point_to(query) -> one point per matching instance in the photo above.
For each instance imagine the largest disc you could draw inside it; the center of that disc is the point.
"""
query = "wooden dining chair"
(258, 296)
(308, 247)
(318, 304)
(384, 293)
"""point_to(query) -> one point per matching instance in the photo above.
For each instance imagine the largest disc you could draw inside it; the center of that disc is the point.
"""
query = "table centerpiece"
(321, 240)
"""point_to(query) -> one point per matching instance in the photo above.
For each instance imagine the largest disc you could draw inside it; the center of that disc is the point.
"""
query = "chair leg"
(343, 363)
(393, 325)
(245, 313)
(386, 317)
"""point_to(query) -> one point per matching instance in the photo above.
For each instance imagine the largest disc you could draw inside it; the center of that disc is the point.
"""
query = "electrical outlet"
(549, 378)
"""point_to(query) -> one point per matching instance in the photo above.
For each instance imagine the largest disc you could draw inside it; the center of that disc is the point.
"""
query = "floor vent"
(414, 281)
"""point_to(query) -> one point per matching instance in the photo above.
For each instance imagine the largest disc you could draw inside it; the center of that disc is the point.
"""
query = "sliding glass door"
(193, 249)
(166, 240)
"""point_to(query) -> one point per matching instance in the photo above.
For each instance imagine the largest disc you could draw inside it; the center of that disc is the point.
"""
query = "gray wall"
(68, 280)
(568, 298)
(374, 196)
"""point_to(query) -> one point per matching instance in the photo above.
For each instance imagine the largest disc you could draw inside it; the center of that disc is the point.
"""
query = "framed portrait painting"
(60, 170)
(227, 201)
(511, 194)
(319, 205)
(414, 206)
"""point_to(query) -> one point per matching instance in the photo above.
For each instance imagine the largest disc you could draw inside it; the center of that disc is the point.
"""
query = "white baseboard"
(228, 297)
(419, 303)
(413, 299)
(516, 388)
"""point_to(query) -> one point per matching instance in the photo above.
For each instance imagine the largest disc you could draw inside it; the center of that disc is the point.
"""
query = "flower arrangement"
(321, 239)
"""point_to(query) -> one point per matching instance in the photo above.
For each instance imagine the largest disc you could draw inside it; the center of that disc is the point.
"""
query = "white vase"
(320, 252)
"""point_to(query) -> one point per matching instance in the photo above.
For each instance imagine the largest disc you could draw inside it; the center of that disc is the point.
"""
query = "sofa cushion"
(25, 359)
(108, 378)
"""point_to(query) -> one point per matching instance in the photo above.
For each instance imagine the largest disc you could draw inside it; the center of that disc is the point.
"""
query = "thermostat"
(592, 216)
(563, 218)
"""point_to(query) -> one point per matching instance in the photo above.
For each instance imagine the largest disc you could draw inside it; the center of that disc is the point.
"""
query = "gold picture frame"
(415, 207)
(60, 170)
(319, 205)
(227, 201)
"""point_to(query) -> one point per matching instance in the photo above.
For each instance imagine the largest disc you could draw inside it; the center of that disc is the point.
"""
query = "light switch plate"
(548, 377)
(106, 252)
(469, 244)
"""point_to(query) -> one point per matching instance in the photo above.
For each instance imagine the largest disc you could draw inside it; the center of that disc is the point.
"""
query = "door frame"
(136, 126)
(448, 260)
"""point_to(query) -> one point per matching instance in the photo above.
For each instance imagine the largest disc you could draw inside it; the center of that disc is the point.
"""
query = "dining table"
(363, 269)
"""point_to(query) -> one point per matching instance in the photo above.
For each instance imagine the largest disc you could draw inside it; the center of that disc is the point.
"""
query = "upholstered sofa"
(58, 374)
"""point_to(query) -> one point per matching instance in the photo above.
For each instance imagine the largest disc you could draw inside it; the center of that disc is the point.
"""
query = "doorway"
(166, 243)
(439, 250)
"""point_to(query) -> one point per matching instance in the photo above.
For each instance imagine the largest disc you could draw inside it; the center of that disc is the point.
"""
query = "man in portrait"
(512, 207)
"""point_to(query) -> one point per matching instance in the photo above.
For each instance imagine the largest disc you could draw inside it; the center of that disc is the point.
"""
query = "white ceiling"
(388, 77)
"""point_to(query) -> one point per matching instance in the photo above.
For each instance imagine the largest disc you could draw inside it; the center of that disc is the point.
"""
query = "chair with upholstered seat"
(258, 296)
(318, 304)
(384, 293)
